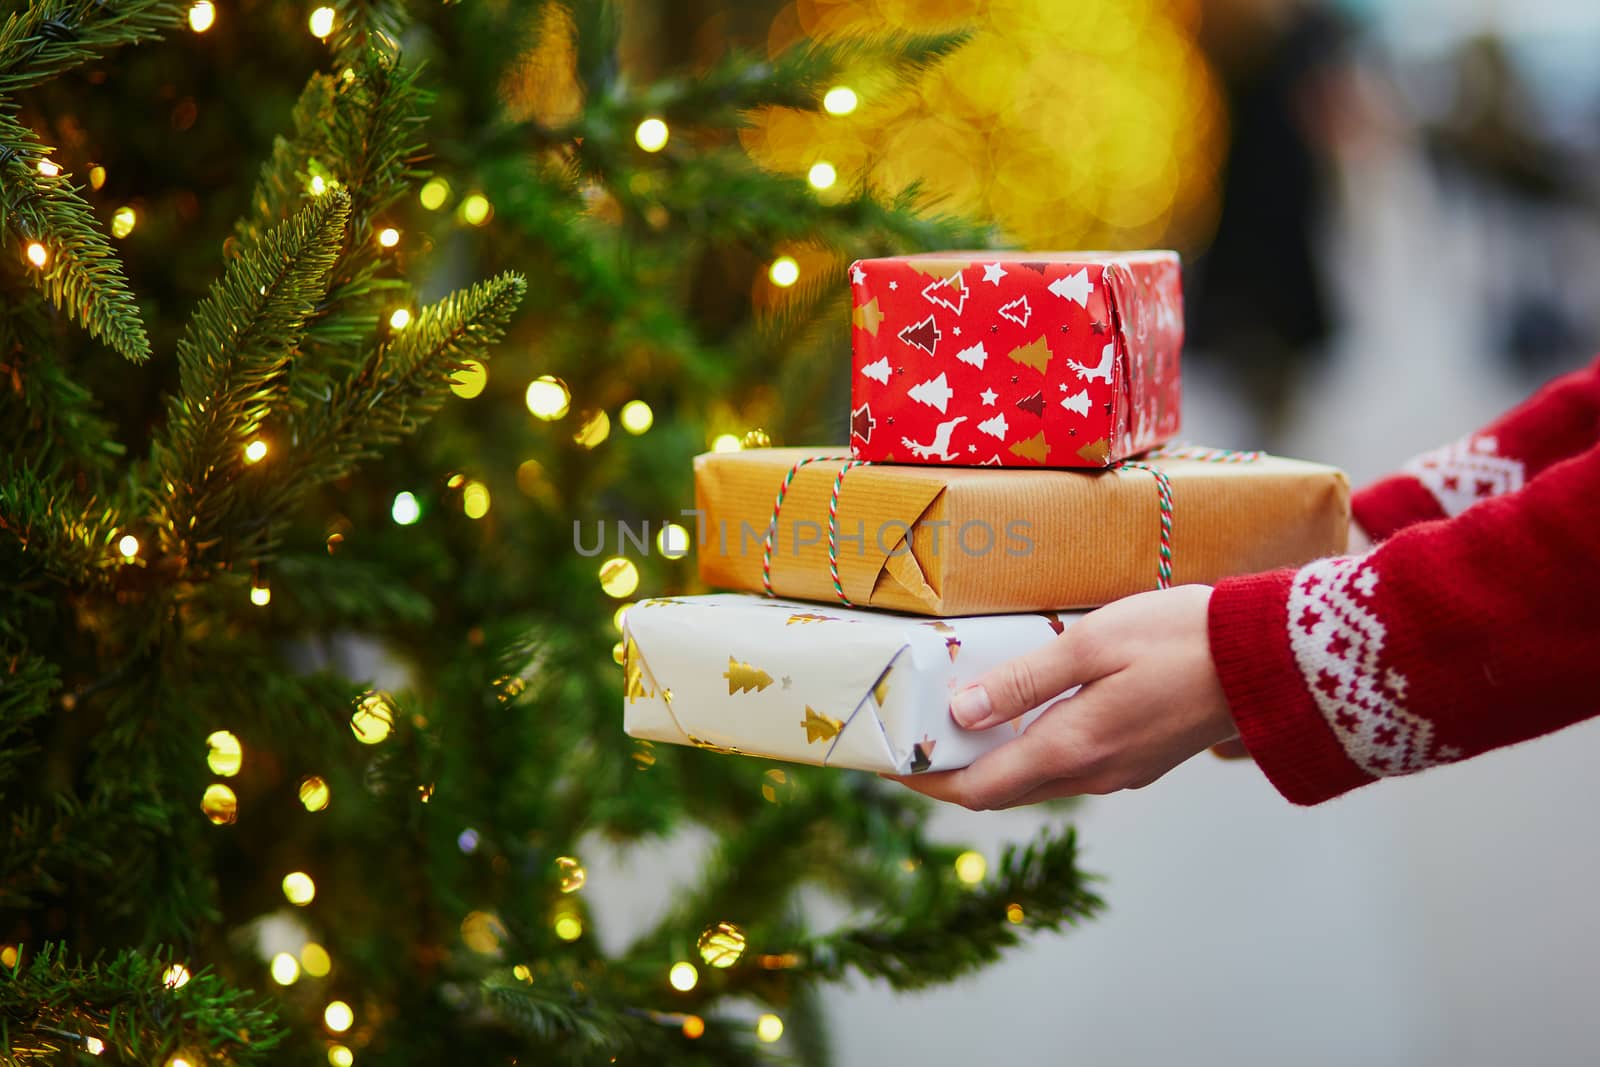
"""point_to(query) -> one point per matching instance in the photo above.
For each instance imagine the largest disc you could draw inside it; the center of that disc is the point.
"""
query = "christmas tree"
(308, 710)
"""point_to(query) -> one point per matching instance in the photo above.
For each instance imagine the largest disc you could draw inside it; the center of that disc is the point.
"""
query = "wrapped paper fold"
(815, 684)
(966, 541)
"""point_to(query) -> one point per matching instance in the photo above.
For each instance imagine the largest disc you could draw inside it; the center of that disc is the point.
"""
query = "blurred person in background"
(1259, 306)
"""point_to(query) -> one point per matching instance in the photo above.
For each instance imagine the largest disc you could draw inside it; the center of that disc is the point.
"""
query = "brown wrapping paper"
(970, 541)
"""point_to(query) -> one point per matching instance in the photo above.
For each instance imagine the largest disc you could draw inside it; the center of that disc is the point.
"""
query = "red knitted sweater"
(1474, 622)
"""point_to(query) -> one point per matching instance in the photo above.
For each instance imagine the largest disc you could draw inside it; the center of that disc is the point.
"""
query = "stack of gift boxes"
(1009, 464)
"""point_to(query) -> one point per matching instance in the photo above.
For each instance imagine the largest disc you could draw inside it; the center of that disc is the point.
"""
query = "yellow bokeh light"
(784, 272)
(97, 177)
(315, 959)
(683, 976)
(179, 1060)
(651, 135)
(822, 175)
(521, 973)
(202, 16)
(469, 380)
(619, 577)
(475, 500)
(636, 417)
(225, 755)
(94, 1046)
(128, 546)
(321, 22)
(573, 876)
(721, 945)
(434, 193)
(400, 319)
(340, 1056)
(337, 1016)
(693, 1026)
(406, 509)
(476, 210)
(285, 969)
(482, 931)
(618, 616)
(123, 221)
(726, 442)
(388, 237)
(260, 595)
(568, 927)
(547, 397)
(619, 654)
(319, 185)
(373, 718)
(37, 255)
(971, 867)
(255, 451)
(314, 793)
(175, 976)
(49, 168)
(595, 429)
(1015, 914)
(220, 804)
(673, 541)
(769, 1028)
(840, 100)
(8, 956)
(299, 889)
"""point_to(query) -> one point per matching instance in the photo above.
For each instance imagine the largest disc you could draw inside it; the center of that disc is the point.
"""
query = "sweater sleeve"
(1561, 420)
(1451, 638)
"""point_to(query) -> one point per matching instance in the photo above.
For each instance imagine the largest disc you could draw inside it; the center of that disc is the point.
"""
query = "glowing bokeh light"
(651, 135)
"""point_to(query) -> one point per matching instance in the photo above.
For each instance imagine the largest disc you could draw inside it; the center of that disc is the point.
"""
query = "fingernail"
(970, 706)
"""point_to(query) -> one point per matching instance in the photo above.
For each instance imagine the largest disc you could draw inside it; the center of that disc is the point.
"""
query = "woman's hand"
(1149, 700)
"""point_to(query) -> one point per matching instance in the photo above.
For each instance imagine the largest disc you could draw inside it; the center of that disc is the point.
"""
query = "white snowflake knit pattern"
(1337, 640)
(1465, 472)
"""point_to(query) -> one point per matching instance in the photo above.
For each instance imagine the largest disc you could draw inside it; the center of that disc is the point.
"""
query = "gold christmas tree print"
(1035, 354)
(743, 677)
(633, 686)
(1096, 452)
(1035, 448)
(820, 727)
(880, 688)
(806, 617)
(868, 316)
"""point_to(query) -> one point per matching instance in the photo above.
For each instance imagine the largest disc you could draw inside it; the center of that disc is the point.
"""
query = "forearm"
(1560, 421)
(1449, 639)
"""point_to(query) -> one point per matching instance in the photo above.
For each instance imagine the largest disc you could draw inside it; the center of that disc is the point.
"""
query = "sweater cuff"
(1386, 507)
(1278, 721)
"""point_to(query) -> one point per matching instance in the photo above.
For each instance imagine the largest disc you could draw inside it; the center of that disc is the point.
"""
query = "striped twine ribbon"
(777, 506)
(833, 531)
(1207, 455)
(1164, 492)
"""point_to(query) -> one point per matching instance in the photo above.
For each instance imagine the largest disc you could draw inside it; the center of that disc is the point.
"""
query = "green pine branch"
(52, 1007)
(50, 37)
(45, 411)
(357, 22)
(51, 540)
(230, 360)
(964, 931)
(402, 381)
(81, 275)
(27, 684)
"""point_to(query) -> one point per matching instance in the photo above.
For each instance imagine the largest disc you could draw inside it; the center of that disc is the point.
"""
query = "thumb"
(1019, 685)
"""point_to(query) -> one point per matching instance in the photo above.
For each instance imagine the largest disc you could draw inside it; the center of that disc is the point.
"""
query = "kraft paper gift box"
(974, 540)
(814, 684)
(1015, 359)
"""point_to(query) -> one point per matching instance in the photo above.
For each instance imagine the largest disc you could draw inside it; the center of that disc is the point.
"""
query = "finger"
(999, 775)
(1021, 684)
(1230, 750)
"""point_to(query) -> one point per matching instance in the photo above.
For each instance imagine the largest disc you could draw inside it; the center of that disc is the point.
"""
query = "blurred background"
(1388, 208)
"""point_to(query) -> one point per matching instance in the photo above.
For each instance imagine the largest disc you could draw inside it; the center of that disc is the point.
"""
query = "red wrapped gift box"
(1013, 359)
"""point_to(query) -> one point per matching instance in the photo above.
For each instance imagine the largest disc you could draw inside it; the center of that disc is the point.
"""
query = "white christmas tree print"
(995, 427)
(948, 293)
(1078, 402)
(935, 392)
(1017, 311)
(878, 371)
(940, 445)
(1101, 373)
(1074, 287)
(974, 355)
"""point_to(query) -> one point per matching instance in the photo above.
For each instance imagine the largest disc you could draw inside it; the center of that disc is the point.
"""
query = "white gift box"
(813, 683)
